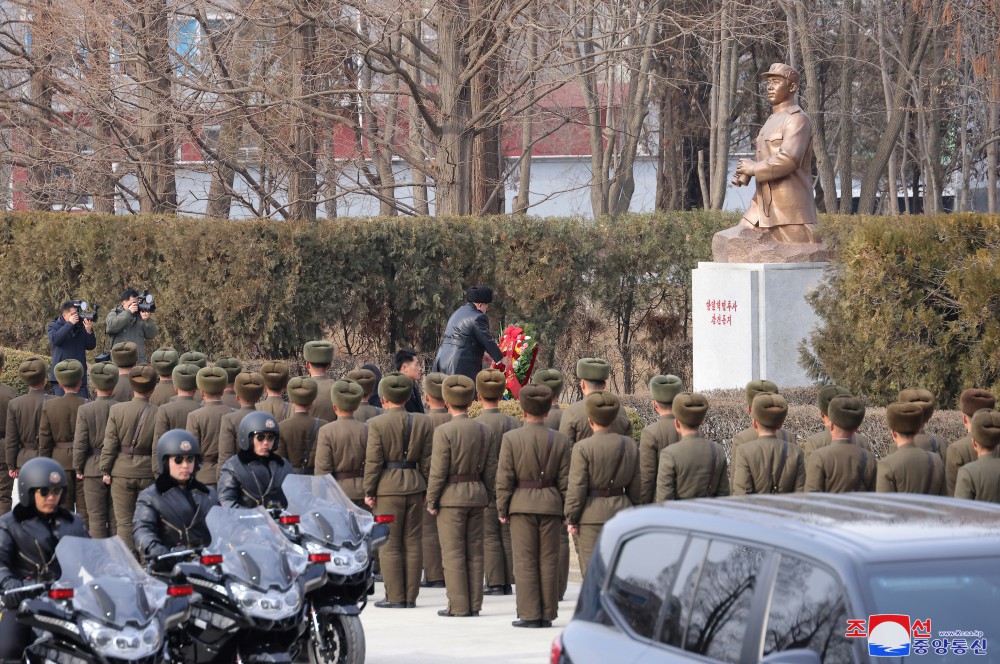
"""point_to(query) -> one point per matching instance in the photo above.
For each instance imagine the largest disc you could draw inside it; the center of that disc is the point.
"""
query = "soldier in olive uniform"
(961, 452)
(980, 480)
(206, 422)
(768, 464)
(603, 474)
(7, 393)
(249, 389)
(658, 435)
(461, 484)
(275, 381)
(925, 399)
(909, 469)
(233, 368)
(126, 457)
(825, 437)
(24, 414)
(552, 379)
(397, 461)
(88, 441)
(754, 388)
(299, 433)
(693, 467)
(319, 356)
(438, 413)
(124, 355)
(199, 360)
(341, 447)
(843, 465)
(593, 373)
(174, 413)
(532, 478)
(491, 385)
(366, 379)
(163, 360)
(57, 429)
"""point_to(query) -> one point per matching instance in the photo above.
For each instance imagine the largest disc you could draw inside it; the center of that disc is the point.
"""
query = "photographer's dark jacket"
(247, 480)
(466, 337)
(123, 325)
(28, 544)
(69, 342)
(168, 516)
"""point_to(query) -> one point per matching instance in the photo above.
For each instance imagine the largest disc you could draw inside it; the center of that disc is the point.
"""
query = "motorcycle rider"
(28, 538)
(171, 513)
(254, 476)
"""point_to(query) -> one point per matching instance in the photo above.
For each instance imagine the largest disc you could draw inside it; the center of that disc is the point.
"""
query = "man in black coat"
(253, 477)
(70, 337)
(467, 337)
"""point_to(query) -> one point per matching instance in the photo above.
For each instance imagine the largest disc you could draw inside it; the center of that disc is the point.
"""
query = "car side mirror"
(794, 656)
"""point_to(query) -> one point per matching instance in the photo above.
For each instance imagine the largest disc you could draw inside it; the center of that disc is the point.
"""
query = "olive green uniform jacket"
(841, 467)
(463, 465)
(57, 428)
(397, 436)
(297, 441)
(768, 465)
(926, 441)
(206, 424)
(366, 411)
(229, 433)
(323, 405)
(576, 427)
(980, 480)
(171, 415)
(653, 439)
(538, 457)
(88, 439)
(693, 467)
(911, 469)
(118, 457)
(960, 453)
(24, 414)
(554, 419)
(340, 451)
(592, 469)
(823, 438)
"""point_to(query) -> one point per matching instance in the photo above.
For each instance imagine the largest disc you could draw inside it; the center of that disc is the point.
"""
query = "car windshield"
(957, 596)
(253, 548)
(327, 514)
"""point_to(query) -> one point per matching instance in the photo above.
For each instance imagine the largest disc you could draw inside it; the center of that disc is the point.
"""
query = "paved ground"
(420, 636)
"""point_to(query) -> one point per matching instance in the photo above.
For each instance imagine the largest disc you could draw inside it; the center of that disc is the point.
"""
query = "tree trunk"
(722, 108)
(815, 109)
(415, 125)
(157, 182)
(39, 115)
(302, 183)
(992, 150)
(845, 157)
(452, 167)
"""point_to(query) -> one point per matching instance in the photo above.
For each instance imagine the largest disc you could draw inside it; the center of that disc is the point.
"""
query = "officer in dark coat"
(254, 476)
(71, 337)
(172, 512)
(28, 538)
(467, 337)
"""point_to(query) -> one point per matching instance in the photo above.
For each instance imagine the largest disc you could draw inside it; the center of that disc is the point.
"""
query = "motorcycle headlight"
(270, 605)
(125, 643)
(343, 561)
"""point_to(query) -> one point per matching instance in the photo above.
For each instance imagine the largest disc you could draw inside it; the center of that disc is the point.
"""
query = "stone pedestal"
(748, 322)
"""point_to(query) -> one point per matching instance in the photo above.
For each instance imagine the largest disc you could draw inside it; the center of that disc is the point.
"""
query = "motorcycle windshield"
(253, 548)
(326, 513)
(108, 584)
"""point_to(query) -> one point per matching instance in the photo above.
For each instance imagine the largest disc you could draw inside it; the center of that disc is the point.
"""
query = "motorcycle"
(253, 583)
(329, 526)
(104, 608)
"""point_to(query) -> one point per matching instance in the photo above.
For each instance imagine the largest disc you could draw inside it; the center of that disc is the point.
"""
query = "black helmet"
(254, 423)
(174, 443)
(38, 473)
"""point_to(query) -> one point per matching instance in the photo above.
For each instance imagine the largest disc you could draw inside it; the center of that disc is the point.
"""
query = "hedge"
(13, 359)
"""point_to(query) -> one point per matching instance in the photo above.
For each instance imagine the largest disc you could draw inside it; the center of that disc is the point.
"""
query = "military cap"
(318, 352)
(275, 375)
(491, 384)
(396, 387)
(200, 360)
(104, 376)
(69, 372)
(302, 391)
(664, 388)
(231, 366)
(249, 386)
(432, 384)
(769, 410)
(847, 412)
(142, 378)
(458, 390)
(33, 371)
(552, 378)
(690, 409)
(756, 387)
(125, 354)
(212, 380)
(185, 377)
(346, 395)
(829, 392)
(923, 398)
(904, 418)
(479, 295)
(973, 400)
(164, 360)
(986, 428)
(593, 368)
(602, 407)
(781, 70)
(365, 378)
(535, 399)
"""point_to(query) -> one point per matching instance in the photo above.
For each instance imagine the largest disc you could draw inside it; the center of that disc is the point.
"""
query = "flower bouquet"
(520, 343)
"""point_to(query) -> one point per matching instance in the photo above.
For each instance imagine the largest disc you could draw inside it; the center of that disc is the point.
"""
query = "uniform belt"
(400, 465)
(64, 445)
(460, 479)
(607, 493)
(348, 474)
(134, 451)
(536, 484)
(210, 458)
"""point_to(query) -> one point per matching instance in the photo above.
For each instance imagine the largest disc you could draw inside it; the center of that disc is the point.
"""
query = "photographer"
(132, 321)
(71, 336)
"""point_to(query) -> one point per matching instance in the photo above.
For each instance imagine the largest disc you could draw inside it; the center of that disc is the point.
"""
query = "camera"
(146, 302)
(84, 310)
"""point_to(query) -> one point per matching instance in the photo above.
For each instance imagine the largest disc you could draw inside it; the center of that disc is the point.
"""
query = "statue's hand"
(744, 170)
